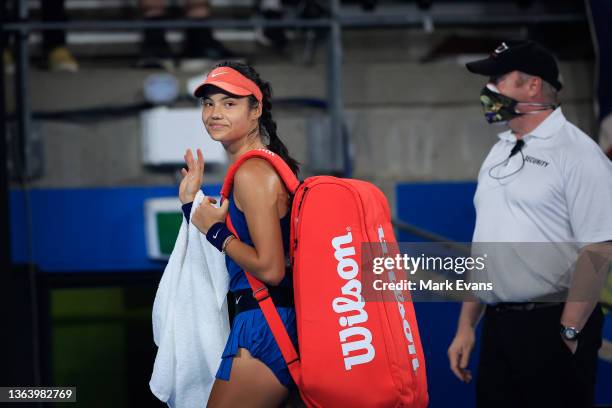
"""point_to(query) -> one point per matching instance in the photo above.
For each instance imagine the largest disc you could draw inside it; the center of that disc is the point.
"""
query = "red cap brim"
(231, 88)
(231, 81)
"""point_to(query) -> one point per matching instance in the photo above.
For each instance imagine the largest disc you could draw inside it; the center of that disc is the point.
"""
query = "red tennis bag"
(352, 352)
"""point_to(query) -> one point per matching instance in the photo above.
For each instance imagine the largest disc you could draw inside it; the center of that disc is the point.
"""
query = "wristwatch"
(569, 333)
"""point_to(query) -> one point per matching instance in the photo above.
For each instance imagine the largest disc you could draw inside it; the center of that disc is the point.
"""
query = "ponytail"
(268, 125)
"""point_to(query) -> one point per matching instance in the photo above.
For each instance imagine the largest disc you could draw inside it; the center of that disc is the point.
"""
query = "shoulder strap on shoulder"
(282, 169)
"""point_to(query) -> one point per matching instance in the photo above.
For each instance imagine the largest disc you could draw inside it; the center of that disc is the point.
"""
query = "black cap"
(525, 56)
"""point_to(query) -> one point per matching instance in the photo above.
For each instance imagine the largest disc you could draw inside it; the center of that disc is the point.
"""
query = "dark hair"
(267, 125)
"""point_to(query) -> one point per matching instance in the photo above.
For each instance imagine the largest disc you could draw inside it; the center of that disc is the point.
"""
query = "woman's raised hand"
(193, 176)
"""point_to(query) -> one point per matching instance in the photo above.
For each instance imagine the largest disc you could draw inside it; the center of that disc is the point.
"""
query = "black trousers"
(525, 363)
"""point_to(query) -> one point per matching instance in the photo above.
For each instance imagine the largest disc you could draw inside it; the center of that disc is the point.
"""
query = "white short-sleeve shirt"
(557, 190)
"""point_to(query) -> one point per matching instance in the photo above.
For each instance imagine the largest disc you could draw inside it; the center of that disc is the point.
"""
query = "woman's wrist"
(186, 199)
(186, 207)
(217, 234)
(226, 243)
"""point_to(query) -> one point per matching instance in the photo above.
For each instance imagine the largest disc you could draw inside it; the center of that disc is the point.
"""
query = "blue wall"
(94, 229)
(446, 209)
(443, 208)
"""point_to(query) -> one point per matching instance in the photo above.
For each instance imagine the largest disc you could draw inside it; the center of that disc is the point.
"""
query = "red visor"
(231, 81)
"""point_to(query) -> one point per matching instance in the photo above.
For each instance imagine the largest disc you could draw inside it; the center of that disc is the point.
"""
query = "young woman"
(237, 113)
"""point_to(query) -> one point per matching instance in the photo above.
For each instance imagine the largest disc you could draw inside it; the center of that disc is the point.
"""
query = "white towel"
(190, 320)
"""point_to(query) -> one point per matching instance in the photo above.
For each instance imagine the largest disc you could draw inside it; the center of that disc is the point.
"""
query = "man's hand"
(459, 353)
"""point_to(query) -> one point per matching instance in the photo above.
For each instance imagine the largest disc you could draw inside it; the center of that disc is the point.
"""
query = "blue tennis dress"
(249, 328)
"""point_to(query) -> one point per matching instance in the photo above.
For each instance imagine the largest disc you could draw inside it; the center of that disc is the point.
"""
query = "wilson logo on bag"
(352, 352)
(348, 269)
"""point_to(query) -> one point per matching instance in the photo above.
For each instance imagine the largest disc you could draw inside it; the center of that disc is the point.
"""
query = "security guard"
(544, 196)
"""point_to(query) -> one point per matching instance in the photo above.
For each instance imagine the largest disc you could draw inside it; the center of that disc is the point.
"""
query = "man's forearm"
(587, 282)
(471, 312)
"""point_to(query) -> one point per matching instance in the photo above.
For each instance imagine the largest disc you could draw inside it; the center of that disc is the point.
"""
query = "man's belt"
(520, 306)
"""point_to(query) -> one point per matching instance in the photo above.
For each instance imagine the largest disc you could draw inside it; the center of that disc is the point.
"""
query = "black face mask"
(500, 108)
